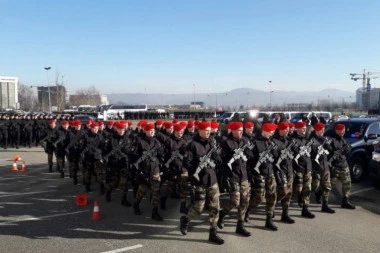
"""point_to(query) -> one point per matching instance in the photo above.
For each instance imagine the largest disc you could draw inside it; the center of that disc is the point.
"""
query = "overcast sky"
(170, 46)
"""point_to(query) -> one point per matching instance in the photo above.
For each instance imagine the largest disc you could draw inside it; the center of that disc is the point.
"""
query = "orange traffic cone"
(96, 213)
(14, 168)
(81, 200)
(23, 168)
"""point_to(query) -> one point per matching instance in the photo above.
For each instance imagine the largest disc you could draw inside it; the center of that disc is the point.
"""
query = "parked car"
(374, 166)
(361, 133)
(228, 116)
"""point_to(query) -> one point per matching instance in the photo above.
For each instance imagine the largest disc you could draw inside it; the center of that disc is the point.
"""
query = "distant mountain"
(236, 97)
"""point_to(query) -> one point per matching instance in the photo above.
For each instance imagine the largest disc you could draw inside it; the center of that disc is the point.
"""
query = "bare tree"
(26, 98)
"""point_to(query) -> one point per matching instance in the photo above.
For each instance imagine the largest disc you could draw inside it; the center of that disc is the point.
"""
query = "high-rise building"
(9, 93)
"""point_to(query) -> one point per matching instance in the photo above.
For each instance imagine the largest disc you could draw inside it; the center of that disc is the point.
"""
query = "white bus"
(114, 111)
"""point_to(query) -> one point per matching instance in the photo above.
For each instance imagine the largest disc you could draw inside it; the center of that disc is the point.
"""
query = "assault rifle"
(321, 150)
(115, 151)
(145, 155)
(304, 150)
(175, 154)
(265, 156)
(285, 153)
(205, 161)
(239, 153)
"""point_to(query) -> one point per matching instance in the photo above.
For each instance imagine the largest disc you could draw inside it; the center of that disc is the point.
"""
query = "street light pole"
(47, 76)
(270, 95)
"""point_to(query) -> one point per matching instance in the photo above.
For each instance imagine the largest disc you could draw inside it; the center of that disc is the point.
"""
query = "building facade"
(9, 93)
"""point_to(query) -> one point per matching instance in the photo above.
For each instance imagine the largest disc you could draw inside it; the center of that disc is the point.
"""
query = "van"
(227, 116)
(298, 116)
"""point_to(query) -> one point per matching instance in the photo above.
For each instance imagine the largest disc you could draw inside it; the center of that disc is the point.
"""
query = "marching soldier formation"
(197, 160)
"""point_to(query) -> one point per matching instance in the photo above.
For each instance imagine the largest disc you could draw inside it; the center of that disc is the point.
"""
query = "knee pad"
(200, 195)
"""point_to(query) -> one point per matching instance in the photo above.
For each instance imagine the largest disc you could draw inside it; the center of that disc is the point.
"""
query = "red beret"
(183, 123)
(148, 127)
(94, 124)
(203, 125)
(65, 122)
(300, 124)
(72, 123)
(130, 123)
(143, 123)
(319, 126)
(110, 123)
(159, 122)
(291, 125)
(282, 125)
(196, 123)
(88, 122)
(268, 127)
(51, 121)
(121, 125)
(178, 127)
(175, 121)
(229, 125)
(214, 125)
(190, 123)
(101, 123)
(248, 124)
(236, 125)
(339, 127)
(168, 125)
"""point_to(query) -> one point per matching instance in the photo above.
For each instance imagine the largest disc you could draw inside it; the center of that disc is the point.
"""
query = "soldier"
(74, 148)
(109, 129)
(62, 143)
(4, 127)
(248, 131)
(49, 142)
(116, 156)
(320, 184)
(92, 158)
(147, 154)
(284, 169)
(175, 147)
(339, 151)
(199, 162)
(302, 167)
(28, 131)
(264, 183)
(189, 132)
(234, 154)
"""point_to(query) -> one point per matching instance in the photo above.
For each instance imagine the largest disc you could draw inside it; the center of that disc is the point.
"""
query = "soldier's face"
(120, 131)
(178, 134)
(238, 133)
(65, 126)
(169, 130)
(191, 129)
(95, 130)
(301, 131)
(340, 132)
(249, 131)
(214, 130)
(320, 132)
(284, 132)
(52, 125)
(149, 133)
(267, 134)
(205, 133)
(78, 127)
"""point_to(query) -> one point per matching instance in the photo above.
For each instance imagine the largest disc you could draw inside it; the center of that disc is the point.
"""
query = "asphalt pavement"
(38, 213)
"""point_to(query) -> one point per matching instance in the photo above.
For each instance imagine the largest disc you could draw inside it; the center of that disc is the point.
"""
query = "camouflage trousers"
(118, 177)
(74, 165)
(93, 167)
(239, 198)
(302, 186)
(153, 183)
(321, 183)
(60, 163)
(205, 196)
(264, 188)
(344, 177)
(284, 194)
(50, 159)
(183, 187)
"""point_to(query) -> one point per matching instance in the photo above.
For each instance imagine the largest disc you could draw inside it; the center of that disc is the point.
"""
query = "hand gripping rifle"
(265, 156)
(145, 155)
(239, 153)
(205, 161)
(321, 150)
(285, 153)
(176, 154)
(304, 150)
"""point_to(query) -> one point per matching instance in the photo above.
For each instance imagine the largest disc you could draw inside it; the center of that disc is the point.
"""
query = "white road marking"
(10, 194)
(362, 190)
(40, 218)
(150, 225)
(107, 231)
(51, 200)
(124, 249)
(10, 178)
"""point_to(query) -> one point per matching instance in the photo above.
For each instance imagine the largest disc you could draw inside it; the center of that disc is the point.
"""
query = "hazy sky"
(170, 46)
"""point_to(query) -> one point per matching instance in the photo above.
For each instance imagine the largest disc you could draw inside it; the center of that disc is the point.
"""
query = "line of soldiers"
(271, 163)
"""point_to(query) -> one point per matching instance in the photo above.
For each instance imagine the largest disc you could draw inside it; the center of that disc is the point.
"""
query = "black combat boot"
(306, 213)
(241, 230)
(155, 215)
(163, 203)
(88, 188)
(346, 204)
(75, 180)
(136, 208)
(213, 236)
(269, 223)
(286, 218)
(220, 223)
(299, 200)
(183, 208)
(124, 201)
(246, 217)
(174, 195)
(62, 174)
(108, 195)
(184, 225)
(318, 197)
(326, 208)
(50, 168)
(102, 189)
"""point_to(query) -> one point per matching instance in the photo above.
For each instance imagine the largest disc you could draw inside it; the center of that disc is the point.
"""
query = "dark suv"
(360, 133)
